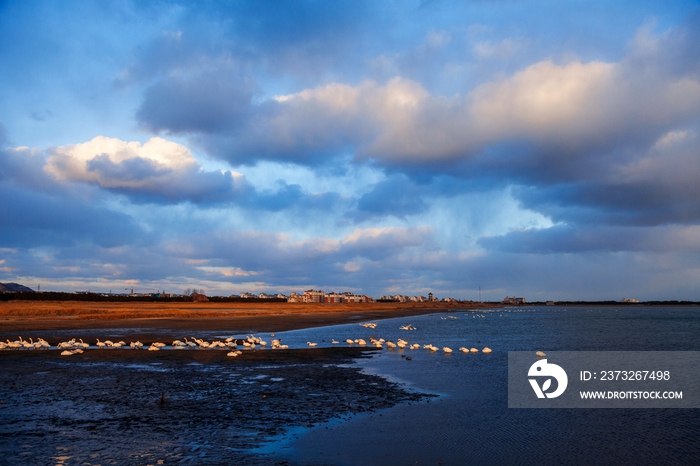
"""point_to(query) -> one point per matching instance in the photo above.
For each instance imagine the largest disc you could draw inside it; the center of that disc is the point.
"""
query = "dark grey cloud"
(29, 219)
(572, 240)
(206, 103)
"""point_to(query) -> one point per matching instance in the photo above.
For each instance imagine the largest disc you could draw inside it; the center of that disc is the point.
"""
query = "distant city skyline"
(543, 149)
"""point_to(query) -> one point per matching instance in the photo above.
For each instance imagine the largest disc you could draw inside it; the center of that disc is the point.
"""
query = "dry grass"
(116, 311)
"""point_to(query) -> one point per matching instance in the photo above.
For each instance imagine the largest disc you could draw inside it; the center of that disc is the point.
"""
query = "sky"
(543, 149)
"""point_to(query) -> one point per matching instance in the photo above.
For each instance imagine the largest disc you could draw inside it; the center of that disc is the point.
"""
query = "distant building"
(199, 298)
(629, 300)
(318, 296)
(513, 301)
(549, 303)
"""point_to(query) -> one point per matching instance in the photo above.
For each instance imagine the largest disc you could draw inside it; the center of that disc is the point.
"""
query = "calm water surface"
(470, 422)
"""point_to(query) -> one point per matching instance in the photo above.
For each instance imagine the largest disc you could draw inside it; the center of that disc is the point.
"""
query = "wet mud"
(132, 407)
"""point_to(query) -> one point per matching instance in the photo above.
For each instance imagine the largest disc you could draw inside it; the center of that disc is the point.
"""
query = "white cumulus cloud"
(158, 170)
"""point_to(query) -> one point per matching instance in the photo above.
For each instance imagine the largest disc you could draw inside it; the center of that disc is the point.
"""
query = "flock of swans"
(250, 342)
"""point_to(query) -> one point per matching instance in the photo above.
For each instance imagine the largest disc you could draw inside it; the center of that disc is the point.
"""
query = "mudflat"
(176, 407)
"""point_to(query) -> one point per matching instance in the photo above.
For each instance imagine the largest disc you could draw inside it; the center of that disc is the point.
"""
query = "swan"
(67, 353)
(486, 350)
(349, 341)
(447, 350)
(474, 350)
(540, 354)
(153, 348)
(100, 344)
(311, 344)
(334, 341)
(464, 350)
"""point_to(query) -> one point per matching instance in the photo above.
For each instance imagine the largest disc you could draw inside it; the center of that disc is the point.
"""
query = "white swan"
(311, 344)
(486, 350)
(447, 350)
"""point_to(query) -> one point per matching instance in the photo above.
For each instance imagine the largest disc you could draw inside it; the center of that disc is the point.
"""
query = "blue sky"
(546, 149)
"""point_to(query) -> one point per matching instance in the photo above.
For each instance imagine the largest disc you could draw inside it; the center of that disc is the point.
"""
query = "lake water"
(470, 423)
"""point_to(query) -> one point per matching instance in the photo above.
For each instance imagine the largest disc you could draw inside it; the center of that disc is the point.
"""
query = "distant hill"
(14, 288)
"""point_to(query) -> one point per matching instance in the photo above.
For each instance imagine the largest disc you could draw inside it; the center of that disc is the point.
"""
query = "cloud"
(568, 239)
(573, 110)
(503, 49)
(157, 171)
(207, 103)
(278, 258)
(582, 141)
(29, 219)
